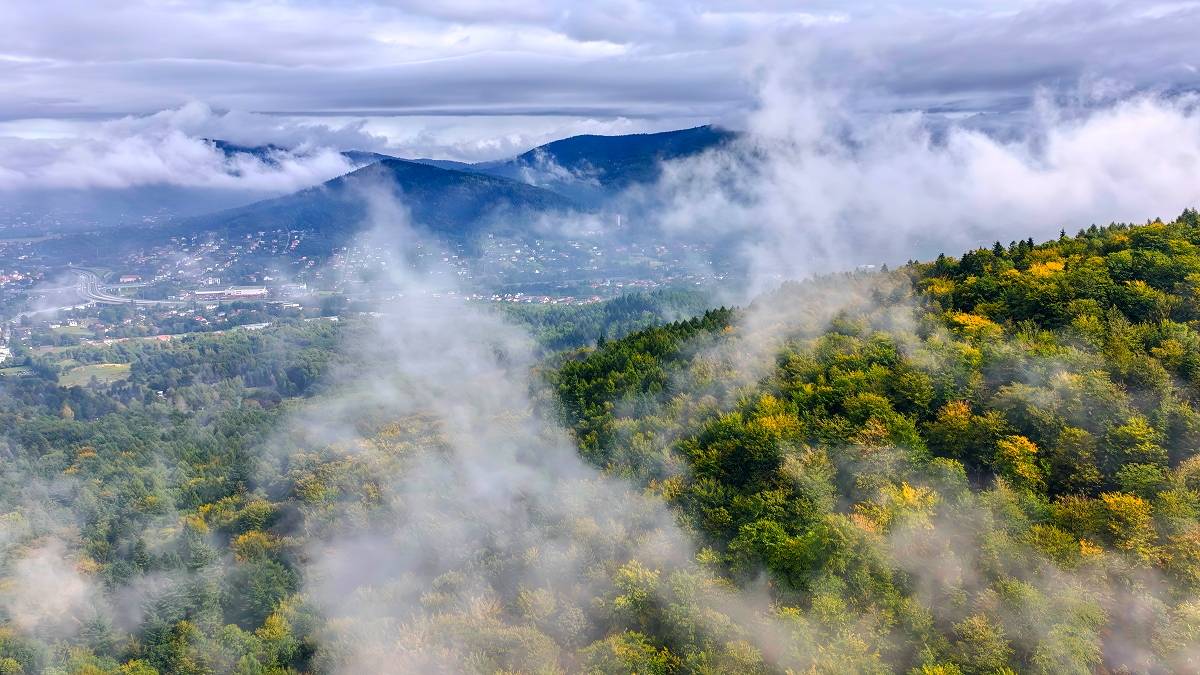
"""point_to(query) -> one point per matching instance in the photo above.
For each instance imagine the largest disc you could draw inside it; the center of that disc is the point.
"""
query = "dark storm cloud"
(626, 57)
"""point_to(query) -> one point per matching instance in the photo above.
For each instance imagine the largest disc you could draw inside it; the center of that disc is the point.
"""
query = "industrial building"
(232, 293)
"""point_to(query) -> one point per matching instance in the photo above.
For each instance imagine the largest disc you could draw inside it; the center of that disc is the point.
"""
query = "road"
(91, 291)
(89, 287)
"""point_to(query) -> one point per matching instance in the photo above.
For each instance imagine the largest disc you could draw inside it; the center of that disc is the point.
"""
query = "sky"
(476, 80)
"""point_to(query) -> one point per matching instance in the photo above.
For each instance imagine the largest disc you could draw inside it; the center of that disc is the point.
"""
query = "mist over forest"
(629, 338)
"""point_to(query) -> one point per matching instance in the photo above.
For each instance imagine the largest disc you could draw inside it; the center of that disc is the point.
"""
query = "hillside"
(361, 158)
(454, 204)
(270, 154)
(978, 464)
(956, 467)
(458, 200)
(591, 167)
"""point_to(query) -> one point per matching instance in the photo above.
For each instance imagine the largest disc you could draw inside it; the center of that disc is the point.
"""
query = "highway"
(89, 287)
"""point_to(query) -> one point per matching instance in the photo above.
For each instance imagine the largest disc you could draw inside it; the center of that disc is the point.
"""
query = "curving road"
(89, 287)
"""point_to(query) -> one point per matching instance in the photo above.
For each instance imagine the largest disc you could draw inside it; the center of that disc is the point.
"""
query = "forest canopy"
(977, 464)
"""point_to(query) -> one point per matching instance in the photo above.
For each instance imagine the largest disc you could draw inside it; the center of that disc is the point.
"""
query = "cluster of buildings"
(229, 293)
(14, 276)
(204, 270)
(207, 260)
(5, 352)
(524, 299)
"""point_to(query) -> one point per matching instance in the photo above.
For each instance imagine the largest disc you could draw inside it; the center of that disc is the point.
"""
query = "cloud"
(476, 497)
(492, 137)
(813, 186)
(173, 148)
(462, 80)
(198, 119)
(634, 58)
(47, 593)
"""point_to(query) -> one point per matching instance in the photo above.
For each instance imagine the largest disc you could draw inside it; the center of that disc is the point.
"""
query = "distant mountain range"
(592, 168)
(457, 199)
(270, 153)
(455, 204)
(581, 173)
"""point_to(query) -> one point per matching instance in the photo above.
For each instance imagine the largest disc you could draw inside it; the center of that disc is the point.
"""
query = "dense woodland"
(558, 327)
(982, 464)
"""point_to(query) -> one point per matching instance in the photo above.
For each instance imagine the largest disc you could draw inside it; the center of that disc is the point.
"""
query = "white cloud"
(625, 57)
(47, 593)
(171, 148)
(483, 138)
(814, 187)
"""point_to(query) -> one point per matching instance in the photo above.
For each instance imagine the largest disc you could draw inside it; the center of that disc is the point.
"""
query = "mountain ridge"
(456, 204)
(459, 200)
(593, 167)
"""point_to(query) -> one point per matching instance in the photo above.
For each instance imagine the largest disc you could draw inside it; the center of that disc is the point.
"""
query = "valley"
(621, 337)
(1043, 391)
(302, 253)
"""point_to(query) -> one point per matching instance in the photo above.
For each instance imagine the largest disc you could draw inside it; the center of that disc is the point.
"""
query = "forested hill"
(591, 168)
(979, 464)
(961, 466)
(457, 200)
(452, 204)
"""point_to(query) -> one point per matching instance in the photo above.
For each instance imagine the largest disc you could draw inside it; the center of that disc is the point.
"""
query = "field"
(105, 373)
(77, 331)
